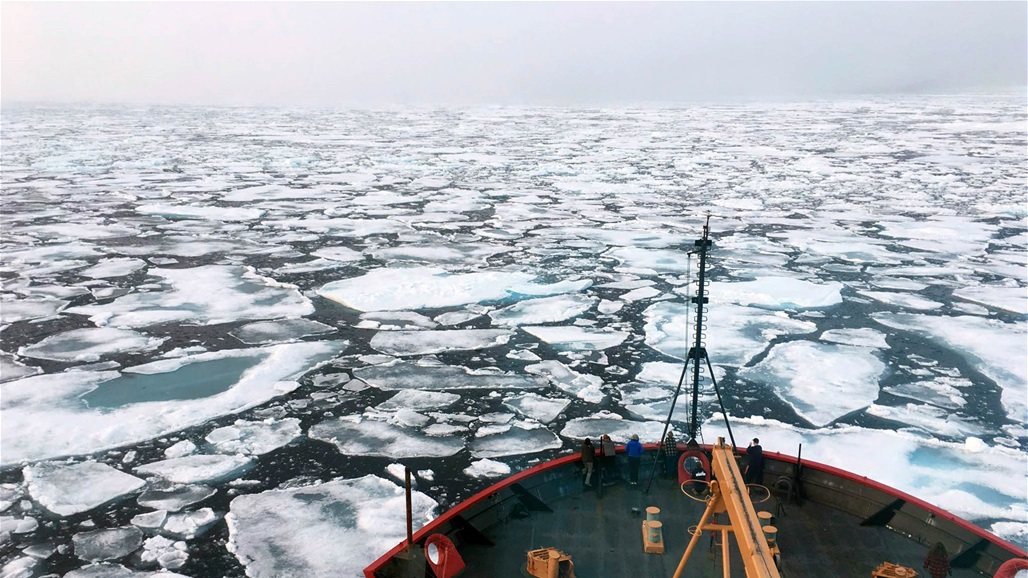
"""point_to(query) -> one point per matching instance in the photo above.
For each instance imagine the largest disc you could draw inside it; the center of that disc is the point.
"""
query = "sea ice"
(90, 344)
(486, 468)
(650, 261)
(279, 331)
(820, 382)
(544, 310)
(1013, 299)
(618, 428)
(179, 449)
(934, 420)
(109, 570)
(406, 343)
(109, 268)
(198, 469)
(83, 412)
(227, 294)
(254, 438)
(169, 554)
(164, 495)
(583, 386)
(341, 254)
(735, 334)
(11, 370)
(905, 300)
(376, 438)
(419, 400)
(403, 375)
(150, 520)
(456, 317)
(995, 348)
(863, 337)
(515, 440)
(109, 544)
(941, 391)
(12, 311)
(322, 531)
(412, 288)
(189, 525)
(201, 212)
(537, 407)
(16, 525)
(67, 489)
(572, 337)
(778, 293)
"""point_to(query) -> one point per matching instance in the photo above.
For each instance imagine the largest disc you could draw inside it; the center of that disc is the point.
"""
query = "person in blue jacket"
(634, 449)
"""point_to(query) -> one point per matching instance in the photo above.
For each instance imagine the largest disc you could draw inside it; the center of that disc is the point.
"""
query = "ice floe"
(198, 469)
(169, 554)
(109, 268)
(583, 386)
(226, 294)
(820, 382)
(90, 344)
(573, 337)
(905, 300)
(280, 330)
(1013, 299)
(322, 531)
(83, 412)
(12, 311)
(514, 440)
(406, 343)
(201, 212)
(862, 336)
(67, 489)
(543, 310)
(778, 293)
(403, 375)
(172, 497)
(375, 438)
(254, 438)
(419, 400)
(110, 544)
(486, 468)
(537, 407)
(429, 287)
(11, 369)
(189, 525)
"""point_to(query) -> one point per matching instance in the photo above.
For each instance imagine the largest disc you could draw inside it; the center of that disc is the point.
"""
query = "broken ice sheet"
(11, 369)
(583, 386)
(537, 407)
(543, 310)
(254, 438)
(198, 469)
(67, 489)
(90, 344)
(619, 429)
(107, 544)
(486, 468)
(323, 531)
(404, 375)
(406, 343)
(375, 438)
(279, 331)
(516, 440)
(576, 338)
(419, 400)
(169, 496)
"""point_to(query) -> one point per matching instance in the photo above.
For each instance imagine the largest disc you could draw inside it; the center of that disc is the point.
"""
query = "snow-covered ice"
(198, 469)
(67, 489)
(90, 344)
(402, 375)
(326, 530)
(406, 343)
(572, 337)
(109, 544)
(189, 525)
(537, 407)
(543, 310)
(584, 386)
(375, 438)
(254, 438)
(280, 330)
(172, 497)
(419, 400)
(515, 440)
(486, 468)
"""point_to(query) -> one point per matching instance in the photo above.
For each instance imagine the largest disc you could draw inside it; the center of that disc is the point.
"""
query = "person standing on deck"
(937, 561)
(588, 459)
(755, 466)
(670, 451)
(609, 453)
(634, 449)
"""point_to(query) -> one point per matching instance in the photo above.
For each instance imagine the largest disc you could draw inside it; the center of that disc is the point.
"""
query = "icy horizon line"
(1009, 92)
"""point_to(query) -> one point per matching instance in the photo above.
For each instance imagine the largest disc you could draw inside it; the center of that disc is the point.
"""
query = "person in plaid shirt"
(937, 562)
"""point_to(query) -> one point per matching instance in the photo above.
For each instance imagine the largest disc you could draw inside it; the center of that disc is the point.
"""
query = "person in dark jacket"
(588, 459)
(937, 561)
(670, 451)
(755, 466)
(634, 449)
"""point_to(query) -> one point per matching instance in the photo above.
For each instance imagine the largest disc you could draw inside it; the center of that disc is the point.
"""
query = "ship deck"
(601, 530)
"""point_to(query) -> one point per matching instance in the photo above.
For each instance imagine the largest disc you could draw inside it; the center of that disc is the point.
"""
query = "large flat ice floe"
(198, 469)
(324, 531)
(406, 343)
(67, 489)
(413, 288)
(778, 293)
(574, 337)
(90, 344)
(618, 428)
(544, 310)
(205, 295)
(995, 348)
(83, 412)
(355, 436)
(820, 382)
(518, 439)
(402, 375)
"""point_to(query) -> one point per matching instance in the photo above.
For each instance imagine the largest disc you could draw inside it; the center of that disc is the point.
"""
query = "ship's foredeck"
(601, 530)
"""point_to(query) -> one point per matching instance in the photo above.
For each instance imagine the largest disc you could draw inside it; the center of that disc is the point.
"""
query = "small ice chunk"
(107, 544)
(109, 570)
(640, 294)
(444, 429)
(486, 468)
(165, 495)
(339, 253)
(396, 321)
(67, 489)
(609, 307)
(254, 438)
(9, 494)
(941, 391)
(150, 520)
(16, 525)
(22, 567)
(180, 449)
(523, 355)
(409, 418)
(170, 554)
(456, 317)
(375, 438)
(537, 407)
(189, 525)
(198, 469)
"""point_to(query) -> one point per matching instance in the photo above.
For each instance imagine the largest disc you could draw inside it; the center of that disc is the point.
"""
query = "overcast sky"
(339, 54)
